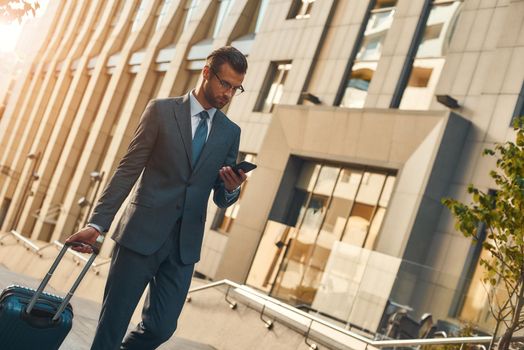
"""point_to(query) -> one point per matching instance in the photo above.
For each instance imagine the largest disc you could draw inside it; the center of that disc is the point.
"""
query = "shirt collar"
(196, 107)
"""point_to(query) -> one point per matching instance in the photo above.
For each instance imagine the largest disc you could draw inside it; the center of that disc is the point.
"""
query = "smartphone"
(245, 166)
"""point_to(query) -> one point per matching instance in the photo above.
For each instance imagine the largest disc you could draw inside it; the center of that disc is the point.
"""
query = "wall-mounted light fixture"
(82, 202)
(308, 96)
(448, 101)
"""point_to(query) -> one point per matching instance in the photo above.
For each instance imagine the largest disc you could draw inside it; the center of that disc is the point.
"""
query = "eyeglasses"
(237, 90)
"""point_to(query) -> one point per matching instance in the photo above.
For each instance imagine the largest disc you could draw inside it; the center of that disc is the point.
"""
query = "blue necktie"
(199, 140)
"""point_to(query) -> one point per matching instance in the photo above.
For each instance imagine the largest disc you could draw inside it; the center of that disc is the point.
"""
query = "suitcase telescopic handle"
(47, 277)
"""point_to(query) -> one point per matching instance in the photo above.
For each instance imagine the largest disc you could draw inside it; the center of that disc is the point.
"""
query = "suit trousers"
(169, 280)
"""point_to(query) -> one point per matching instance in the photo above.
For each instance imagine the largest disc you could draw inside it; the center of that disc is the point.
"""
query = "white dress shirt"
(195, 109)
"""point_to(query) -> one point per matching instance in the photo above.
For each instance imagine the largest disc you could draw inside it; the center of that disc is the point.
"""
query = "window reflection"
(335, 204)
(262, 6)
(430, 57)
(300, 9)
(190, 8)
(369, 54)
(308, 176)
(326, 180)
(478, 296)
(273, 90)
(223, 11)
(269, 255)
(161, 14)
(313, 218)
(138, 15)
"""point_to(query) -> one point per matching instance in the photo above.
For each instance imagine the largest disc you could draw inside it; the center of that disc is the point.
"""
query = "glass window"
(368, 54)
(326, 180)
(378, 217)
(190, 8)
(117, 13)
(300, 9)
(359, 222)
(476, 299)
(223, 11)
(162, 13)
(519, 108)
(273, 88)
(247, 32)
(269, 255)
(308, 176)
(339, 204)
(262, 6)
(430, 56)
(179, 24)
(138, 15)
(289, 283)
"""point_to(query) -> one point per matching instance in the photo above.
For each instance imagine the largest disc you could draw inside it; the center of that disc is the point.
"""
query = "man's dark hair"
(227, 54)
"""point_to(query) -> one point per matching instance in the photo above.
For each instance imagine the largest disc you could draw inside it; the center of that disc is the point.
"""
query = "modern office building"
(341, 114)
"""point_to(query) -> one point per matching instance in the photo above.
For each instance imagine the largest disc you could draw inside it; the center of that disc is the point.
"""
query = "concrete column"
(96, 136)
(46, 140)
(23, 107)
(59, 169)
(23, 135)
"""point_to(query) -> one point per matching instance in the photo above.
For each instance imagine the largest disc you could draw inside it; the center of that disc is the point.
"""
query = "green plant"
(502, 213)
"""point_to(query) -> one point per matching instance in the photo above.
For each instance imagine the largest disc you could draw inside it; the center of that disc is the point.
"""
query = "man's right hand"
(86, 235)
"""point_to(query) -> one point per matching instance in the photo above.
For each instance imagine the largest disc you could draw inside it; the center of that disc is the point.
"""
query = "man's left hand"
(231, 180)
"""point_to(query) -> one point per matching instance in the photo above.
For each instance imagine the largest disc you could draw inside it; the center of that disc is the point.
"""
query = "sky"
(9, 33)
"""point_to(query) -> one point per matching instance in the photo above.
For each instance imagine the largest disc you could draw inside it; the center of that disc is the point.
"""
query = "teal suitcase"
(32, 319)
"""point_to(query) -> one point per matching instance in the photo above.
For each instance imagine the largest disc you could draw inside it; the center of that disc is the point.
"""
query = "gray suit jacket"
(169, 186)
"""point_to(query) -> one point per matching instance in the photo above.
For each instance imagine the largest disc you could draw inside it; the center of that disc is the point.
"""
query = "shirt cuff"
(232, 195)
(96, 227)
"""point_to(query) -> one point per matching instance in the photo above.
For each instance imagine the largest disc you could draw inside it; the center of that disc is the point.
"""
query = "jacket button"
(178, 206)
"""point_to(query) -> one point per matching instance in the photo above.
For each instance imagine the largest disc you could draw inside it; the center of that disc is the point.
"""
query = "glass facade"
(262, 6)
(191, 6)
(335, 205)
(273, 89)
(300, 9)
(368, 54)
(475, 299)
(161, 13)
(117, 13)
(430, 57)
(223, 11)
(519, 107)
(138, 15)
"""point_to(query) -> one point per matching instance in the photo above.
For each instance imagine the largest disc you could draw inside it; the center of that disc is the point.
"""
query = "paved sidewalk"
(86, 315)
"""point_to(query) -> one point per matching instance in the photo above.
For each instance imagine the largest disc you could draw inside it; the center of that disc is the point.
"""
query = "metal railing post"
(267, 323)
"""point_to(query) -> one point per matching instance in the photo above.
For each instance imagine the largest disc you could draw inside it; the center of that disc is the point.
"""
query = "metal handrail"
(368, 342)
(348, 325)
(26, 242)
(36, 249)
(378, 344)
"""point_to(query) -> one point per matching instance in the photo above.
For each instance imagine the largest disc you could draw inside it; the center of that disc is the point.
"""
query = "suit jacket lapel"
(214, 140)
(183, 119)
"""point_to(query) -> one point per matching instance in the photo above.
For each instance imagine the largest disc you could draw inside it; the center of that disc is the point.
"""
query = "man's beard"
(214, 102)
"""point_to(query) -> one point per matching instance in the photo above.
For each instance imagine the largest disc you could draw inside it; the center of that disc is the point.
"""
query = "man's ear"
(205, 72)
